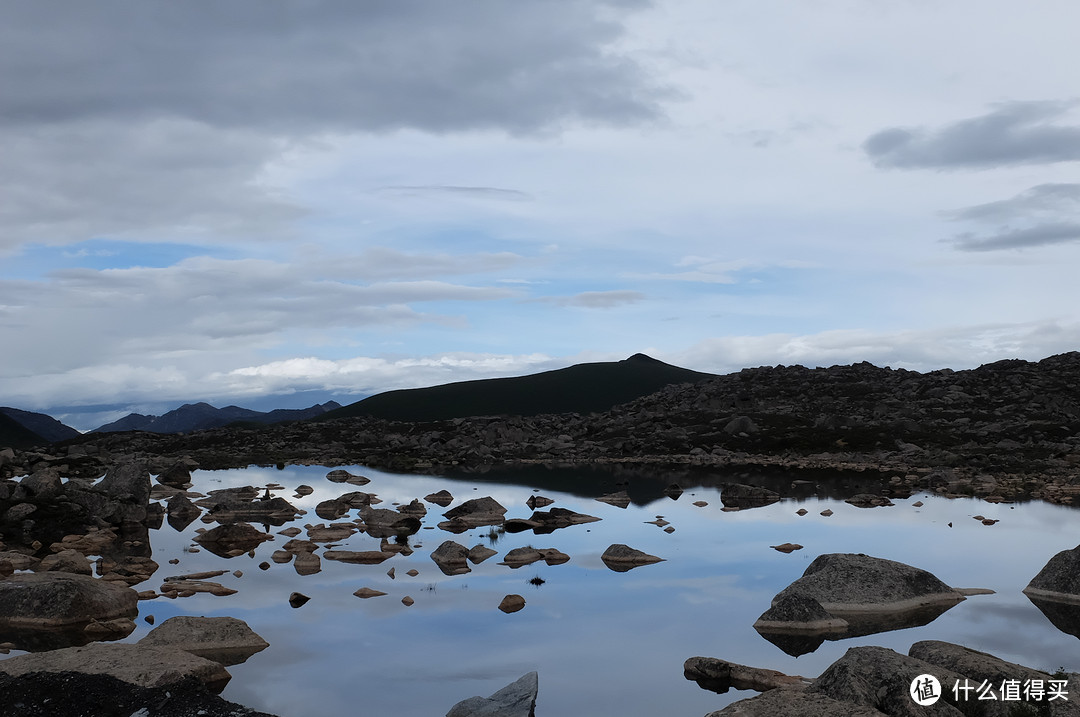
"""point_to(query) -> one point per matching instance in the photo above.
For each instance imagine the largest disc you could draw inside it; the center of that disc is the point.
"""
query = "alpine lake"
(603, 642)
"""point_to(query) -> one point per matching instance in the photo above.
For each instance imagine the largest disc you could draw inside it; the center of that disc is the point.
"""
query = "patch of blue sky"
(36, 261)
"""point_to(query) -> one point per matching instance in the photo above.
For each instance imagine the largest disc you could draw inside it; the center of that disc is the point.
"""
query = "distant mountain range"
(582, 388)
(200, 416)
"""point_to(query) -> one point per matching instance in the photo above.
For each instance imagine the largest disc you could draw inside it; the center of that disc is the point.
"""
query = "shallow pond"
(603, 642)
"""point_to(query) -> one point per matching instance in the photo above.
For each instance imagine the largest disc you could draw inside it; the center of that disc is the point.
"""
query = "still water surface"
(603, 643)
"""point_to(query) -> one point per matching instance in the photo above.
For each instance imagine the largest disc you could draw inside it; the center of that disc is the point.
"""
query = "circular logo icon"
(925, 690)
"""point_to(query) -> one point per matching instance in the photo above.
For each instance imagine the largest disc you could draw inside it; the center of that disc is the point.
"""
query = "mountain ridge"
(581, 388)
(202, 415)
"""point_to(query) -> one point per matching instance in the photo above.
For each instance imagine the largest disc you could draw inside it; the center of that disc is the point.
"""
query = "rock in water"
(518, 699)
(620, 558)
(225, 640)
(1059, 580)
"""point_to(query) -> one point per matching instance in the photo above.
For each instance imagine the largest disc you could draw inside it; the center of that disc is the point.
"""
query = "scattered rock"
(368, 593)
(538, 501)
(479, 553)
(407, 601)
(452, 558)
(297, 599)
(477, 512)
(442, 498)
(621, 558)
(512, 603)
(787, 547)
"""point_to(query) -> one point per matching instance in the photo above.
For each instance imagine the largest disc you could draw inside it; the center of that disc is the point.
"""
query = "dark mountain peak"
(202, 415)
(581, 388)
(40, 424)
(642, 358)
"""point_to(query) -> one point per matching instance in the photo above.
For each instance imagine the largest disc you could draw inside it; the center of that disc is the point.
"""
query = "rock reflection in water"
(802, 642)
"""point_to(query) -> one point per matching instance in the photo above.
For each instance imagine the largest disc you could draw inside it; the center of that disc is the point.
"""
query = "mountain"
(582, 388)
(199, 416)
(46, 428)
(15, 435)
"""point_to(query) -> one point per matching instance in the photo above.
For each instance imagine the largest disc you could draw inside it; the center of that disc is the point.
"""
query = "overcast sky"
(218, 201)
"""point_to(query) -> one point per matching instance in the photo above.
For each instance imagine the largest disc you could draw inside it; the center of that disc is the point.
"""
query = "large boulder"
(518, 699)
(855, 583)
(225, 640)
(42, 611)
(1059, 580)
(879, 678)
(138, 664)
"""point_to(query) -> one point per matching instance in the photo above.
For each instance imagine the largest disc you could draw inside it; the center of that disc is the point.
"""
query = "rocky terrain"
(1005, 430)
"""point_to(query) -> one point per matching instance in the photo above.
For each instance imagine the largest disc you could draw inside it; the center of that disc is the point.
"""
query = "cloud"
(494, 193)
(1041, 235)
(595, 299)
(1014, 133)
(202, 310)
(322, 65)
(710, 270)
(1040, 216)
(161, 119)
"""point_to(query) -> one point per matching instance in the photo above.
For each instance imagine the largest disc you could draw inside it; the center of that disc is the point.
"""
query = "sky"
(272, 204)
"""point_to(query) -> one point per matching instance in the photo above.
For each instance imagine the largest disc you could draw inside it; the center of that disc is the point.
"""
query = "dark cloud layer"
(1040, 216)
(294, 66)
(152, 119)
(1014, 133)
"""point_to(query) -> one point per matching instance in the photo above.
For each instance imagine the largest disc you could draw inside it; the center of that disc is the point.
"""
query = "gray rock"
(855, 583)
(1059, 580)
(178, 475)
(57, 599)
(794, 703)
(979, 666)
(65, 561)
(738, 495)
(620, 558)
(452, 558)
(141, 665)
(236, 538)
(720, 675)
(479, 553)
(798, 612)
(442, 498)
(880, 678)
(225, 640)
(385, 523)
(477, 512)
(518, 699)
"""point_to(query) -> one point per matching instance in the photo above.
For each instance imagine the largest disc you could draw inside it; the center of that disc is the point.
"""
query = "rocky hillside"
(1011, 428)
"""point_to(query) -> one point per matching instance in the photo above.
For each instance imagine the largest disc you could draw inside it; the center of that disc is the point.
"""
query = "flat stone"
(368, 593)
(225, 640)
(142, 665)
